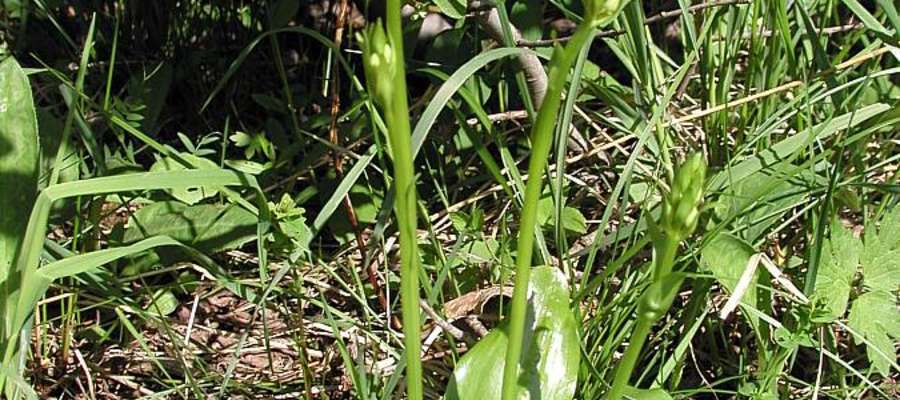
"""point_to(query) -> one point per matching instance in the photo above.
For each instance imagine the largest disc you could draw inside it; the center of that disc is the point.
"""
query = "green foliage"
(19, 154)
(455, 9)
(19, 167)
(293, 235)
(190, 195)
(726, 256)
(210, 228)
(572, 220)
(838, 265)
(551, 354)
(252, 144)
(793, 103)
(678, 219)
(873, 314)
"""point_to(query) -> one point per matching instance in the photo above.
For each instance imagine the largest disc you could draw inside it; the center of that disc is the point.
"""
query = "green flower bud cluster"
(681, 207)
(599, 12)
(378, 62)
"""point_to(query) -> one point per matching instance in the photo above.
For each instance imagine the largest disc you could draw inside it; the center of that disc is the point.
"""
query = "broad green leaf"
(726, 256)
(890, 229)
(455, 9)
(189, 195)
(572, 219)
(164, 302)
(551, 353)
(646, 394)
(882, 271)
(19, 156)
(785, 149)
(881, 258)
(209, 228)
(644, 193)
(528, 16)
(874, 315)
(837, 266)
(760, 199)
(249, 167)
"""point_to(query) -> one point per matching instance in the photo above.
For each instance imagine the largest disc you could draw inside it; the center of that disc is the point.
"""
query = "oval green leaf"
(19, 155)
(550, 356)
(209, 228)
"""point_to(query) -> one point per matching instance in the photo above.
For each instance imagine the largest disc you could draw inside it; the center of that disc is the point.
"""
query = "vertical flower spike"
(599, 12)
(681, 208)
(680, 213)
(378, 62)
(382, 47)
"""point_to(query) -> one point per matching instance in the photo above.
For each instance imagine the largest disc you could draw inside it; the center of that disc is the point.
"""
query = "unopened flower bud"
(599, 12)
(681, 207)
(378, 62)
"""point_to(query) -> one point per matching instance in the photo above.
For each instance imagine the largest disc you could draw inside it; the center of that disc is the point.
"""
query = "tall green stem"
(626, 365)
(680, 213)
(397, 119)
(541, 136)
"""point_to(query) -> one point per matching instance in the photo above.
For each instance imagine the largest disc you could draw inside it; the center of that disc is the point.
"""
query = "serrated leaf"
(209, 228)
(19, 156)
(837, 266)
(191, 195)
(882, 272)
(726, 256)
(460, 221)
(551, 353)
(874, 316)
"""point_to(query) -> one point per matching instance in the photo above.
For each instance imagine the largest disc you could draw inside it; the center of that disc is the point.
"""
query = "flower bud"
(599, 12)
(378, 62)
(681, 207)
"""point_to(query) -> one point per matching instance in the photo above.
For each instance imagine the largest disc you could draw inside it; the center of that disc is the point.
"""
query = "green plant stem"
(626, 365)
(397, 119)
(665, 260)
(541, 136)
